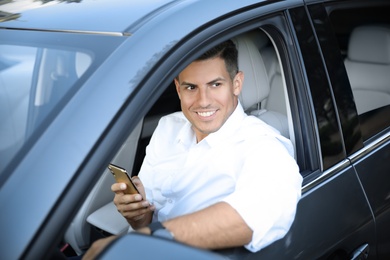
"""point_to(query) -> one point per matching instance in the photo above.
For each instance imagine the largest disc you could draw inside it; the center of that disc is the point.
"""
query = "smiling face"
(208, 95)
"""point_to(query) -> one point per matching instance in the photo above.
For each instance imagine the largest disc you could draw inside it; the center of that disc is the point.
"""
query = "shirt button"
(170, 201)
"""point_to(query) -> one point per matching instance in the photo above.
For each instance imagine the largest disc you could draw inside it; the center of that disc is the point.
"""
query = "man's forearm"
(215, 227)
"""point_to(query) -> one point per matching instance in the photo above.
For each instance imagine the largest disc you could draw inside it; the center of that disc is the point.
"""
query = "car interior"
(368, 66)
(263, 95)
(365, 46)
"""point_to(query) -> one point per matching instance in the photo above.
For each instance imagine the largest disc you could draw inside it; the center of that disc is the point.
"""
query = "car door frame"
(321, 229)
(368, 156)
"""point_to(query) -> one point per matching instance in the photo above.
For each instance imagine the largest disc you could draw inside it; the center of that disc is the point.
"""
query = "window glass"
(330, 138)
(39, 72)
(32, 81)
(364, 39)
(16, 71)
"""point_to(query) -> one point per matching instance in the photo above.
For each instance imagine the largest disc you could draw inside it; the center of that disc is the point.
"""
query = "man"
(213, 177)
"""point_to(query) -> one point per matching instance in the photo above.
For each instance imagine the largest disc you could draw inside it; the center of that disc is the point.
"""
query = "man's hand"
(97, 247)
(136, 210)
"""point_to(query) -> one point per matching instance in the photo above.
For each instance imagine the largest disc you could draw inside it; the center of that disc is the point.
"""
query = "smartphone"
(121, 175)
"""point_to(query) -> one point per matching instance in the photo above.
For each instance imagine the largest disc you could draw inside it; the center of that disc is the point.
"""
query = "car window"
(328, 134)
(32, 81)
(14, 96)
(272, 105)
(36, 76)
(259, 59)
(364, 41)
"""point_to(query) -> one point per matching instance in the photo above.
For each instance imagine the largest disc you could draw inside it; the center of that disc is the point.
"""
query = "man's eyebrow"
(185, 83)
(216, 80)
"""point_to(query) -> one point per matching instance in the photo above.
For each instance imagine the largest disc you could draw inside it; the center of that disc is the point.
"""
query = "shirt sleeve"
(267, 192)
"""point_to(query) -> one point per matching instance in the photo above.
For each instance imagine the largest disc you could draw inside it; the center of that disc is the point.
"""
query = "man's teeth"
(205, 114)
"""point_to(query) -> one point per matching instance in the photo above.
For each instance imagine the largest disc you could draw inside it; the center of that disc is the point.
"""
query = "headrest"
(256, 87)
(271, 61)
(258, 37)
(370, 44)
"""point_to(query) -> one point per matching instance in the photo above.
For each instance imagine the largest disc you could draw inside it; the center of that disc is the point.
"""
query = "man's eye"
(216, 84)
(190, 87)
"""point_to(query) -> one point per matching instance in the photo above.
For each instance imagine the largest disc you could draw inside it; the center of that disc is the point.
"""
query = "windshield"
(35, 79)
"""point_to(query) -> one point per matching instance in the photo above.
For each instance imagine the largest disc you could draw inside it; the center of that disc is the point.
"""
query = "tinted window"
(364, 39)
(330, 138)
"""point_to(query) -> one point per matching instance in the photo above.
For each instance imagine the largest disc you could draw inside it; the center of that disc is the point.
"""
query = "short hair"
(228, 52)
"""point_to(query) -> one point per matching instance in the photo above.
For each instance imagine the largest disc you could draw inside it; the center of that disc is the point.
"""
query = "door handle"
(361, 253)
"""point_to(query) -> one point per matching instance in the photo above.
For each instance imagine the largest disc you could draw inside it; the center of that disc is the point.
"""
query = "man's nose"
(204, 97)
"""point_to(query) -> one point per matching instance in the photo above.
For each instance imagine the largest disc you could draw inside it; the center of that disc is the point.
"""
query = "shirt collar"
(229, 127)
(186, 136)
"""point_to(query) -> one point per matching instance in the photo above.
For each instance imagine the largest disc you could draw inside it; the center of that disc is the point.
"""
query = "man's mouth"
(206, 114)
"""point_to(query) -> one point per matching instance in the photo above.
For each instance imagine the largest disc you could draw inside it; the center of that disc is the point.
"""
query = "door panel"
(374, 173)
(333, 219)
(369, 153)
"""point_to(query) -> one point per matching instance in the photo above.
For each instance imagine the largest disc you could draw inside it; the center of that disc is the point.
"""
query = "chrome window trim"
(371, 146)
(72, 31)
(347, 162)
(326, 175)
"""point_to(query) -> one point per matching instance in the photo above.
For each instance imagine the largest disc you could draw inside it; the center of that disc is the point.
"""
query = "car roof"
(119, 17)
(116, 16)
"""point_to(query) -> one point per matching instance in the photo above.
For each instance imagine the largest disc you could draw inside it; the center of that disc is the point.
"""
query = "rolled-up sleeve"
(267, 192)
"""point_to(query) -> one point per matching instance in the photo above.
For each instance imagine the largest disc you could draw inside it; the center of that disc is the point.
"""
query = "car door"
(334, 218)
(364, 49)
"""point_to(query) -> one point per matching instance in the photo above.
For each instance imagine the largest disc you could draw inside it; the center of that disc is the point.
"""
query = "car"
(84, 83)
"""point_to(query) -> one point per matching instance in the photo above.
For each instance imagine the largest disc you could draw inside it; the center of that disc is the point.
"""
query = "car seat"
(368, 66)
(262, 94)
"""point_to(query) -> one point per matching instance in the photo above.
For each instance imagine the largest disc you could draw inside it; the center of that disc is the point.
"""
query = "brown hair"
(228, 52)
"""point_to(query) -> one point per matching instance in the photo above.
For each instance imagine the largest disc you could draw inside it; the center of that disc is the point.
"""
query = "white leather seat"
(101, 196)
(276, 94)
(257, 97)
(275, 103)
(368, 66)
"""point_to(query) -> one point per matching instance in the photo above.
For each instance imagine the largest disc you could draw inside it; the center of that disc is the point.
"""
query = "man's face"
(207, 95)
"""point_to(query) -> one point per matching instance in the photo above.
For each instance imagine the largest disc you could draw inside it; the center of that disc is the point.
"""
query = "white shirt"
(246, 163)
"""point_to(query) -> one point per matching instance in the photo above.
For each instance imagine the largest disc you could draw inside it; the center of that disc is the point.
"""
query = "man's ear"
(238, 81)
(177, 84)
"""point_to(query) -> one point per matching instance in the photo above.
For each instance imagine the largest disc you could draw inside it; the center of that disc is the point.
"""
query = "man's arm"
(215, 227)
